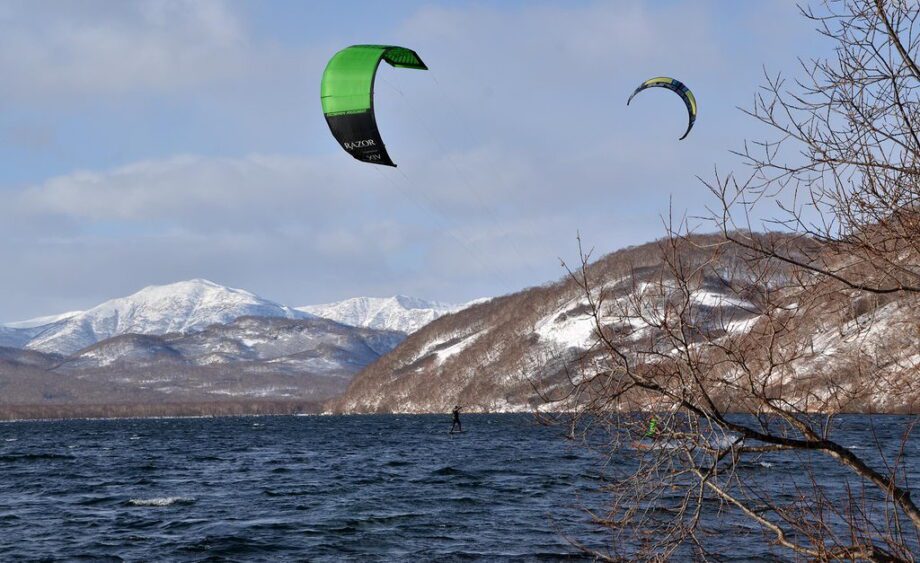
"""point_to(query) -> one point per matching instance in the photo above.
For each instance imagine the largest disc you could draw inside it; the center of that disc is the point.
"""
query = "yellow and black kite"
(678, 88)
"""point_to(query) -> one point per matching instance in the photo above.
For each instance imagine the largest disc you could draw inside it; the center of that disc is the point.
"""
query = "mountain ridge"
(192, 305)
(399, 312)
(157, 309)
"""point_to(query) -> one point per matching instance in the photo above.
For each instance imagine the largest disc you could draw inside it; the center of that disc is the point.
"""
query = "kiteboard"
(655, 445)
(643, 445)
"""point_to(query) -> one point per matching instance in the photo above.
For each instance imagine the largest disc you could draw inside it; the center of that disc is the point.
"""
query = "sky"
(148, 142)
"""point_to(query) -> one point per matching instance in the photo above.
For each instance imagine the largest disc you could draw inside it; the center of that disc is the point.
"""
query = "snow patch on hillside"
(567, 331)
(714, 299)
(742, 326)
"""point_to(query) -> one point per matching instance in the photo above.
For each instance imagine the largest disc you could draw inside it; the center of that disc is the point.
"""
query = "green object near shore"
(652, 427)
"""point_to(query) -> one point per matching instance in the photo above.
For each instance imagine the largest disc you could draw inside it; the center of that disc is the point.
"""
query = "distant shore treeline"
(137, 410)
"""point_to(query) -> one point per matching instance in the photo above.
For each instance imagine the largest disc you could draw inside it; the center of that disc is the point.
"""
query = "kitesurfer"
(652, 428)
(646, 442)
(456, 426)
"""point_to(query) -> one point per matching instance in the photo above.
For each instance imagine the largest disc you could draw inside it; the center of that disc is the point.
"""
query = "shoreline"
(203, 409)
(169, 411)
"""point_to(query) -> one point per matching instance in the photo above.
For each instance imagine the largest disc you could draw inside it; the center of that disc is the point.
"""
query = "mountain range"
(194, 305)
(199, 341)
(179, 307)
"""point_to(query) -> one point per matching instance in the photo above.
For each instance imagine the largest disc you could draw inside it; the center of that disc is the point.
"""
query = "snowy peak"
(402, 313)
(179, 307)
(184, 306)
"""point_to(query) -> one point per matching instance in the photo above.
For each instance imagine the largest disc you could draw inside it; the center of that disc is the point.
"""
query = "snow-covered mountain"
(315, 346)
(250, 358)
(405, 314)
(193, 305)
(179, 307)
(197, 341)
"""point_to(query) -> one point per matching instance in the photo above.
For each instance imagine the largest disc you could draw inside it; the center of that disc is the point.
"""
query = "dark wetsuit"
(456, 426)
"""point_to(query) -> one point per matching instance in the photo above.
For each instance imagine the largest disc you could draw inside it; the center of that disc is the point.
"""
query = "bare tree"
(845, 166)
(785, 327)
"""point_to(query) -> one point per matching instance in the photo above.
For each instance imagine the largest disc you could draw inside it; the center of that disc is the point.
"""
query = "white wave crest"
(160, 501)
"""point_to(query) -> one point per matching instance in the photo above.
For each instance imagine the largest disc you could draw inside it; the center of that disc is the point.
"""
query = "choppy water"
(294, 488)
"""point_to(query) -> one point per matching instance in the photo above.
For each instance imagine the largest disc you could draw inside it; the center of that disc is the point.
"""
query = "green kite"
(347, 94)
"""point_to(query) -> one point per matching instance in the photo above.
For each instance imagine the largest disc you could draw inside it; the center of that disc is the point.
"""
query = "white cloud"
(195, 190)
(56, 50)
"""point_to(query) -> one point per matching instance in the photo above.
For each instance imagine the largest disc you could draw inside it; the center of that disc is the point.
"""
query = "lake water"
(317, 488)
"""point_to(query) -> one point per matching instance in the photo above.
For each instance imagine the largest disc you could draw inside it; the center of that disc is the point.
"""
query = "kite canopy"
(677, 87)
(347, 94)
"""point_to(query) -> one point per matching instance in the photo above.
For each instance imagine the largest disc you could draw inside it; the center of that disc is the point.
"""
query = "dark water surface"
(317, 488)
